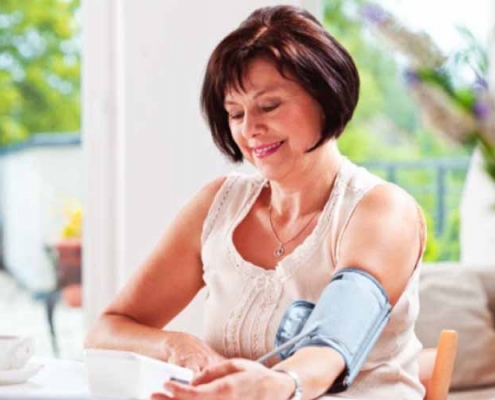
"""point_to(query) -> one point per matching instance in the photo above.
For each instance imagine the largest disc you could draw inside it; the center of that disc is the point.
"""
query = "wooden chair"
(437, 365)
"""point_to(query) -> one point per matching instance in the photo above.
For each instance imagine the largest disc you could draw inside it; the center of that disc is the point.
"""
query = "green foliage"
(382, 91)
(432, 250)
(39, 68)
(387, 125)
(435, 144)
(449, 241)
(474, 54)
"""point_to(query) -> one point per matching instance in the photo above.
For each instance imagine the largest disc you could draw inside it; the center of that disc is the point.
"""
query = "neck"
(305, 194)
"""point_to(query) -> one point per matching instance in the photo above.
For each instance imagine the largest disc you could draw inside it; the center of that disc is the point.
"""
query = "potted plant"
(454, 97)
(68, 249)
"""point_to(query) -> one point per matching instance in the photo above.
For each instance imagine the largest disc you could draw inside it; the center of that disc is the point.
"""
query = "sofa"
(460, 297)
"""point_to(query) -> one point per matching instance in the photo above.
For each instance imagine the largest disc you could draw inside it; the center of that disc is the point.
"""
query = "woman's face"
(274, 121)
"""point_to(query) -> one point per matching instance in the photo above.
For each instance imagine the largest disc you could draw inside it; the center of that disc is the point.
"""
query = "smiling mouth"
(264, 151)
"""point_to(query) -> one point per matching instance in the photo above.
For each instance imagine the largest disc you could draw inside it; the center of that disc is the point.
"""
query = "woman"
(278, 91)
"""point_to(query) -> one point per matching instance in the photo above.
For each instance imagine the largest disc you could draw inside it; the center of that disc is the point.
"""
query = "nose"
(252, 126)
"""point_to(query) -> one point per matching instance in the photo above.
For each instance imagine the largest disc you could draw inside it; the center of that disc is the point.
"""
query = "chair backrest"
(437, 365)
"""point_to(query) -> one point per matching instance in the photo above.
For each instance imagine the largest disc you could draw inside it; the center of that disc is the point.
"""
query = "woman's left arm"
(383, 239)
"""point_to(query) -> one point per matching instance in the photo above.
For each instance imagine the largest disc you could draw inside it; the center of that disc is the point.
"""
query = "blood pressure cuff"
(349, 317)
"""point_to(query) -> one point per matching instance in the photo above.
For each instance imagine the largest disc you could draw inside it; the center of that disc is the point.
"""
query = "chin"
(270, 168)
(272, 172)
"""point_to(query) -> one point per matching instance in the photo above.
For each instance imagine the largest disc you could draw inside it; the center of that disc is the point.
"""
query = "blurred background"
(121, 155)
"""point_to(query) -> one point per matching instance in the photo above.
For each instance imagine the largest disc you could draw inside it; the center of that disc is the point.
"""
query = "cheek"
(304, 131)
(236, 135)
(240, 140)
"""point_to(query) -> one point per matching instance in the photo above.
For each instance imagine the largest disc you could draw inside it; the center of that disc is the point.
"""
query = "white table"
(58, 379)
(67, 379)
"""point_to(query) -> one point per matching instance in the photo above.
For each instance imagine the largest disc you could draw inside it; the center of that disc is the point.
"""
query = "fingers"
(192, 361)
(177, 392)
(213, 391)
(196, 361)
(160, 396)
(214, 372)
(185, 392)
(235, 379)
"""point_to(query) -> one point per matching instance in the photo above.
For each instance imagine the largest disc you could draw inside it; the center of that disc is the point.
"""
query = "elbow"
(91, 338)
(96, 333)
(103, 332)
(90, 341)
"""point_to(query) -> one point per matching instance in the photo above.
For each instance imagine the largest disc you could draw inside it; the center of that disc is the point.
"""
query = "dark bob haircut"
(298, 44)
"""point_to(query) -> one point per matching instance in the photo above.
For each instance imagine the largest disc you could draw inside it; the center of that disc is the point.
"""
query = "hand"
(234, 379)
(189, 351)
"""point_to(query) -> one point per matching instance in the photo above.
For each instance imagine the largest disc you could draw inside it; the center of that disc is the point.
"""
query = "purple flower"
(374, 13)
(411, 76)
(482, 109)
(480, 84)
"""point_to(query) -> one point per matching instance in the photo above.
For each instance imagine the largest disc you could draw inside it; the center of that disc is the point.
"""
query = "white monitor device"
(122, 374)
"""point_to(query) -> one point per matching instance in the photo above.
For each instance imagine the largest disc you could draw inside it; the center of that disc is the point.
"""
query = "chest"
(255, 240)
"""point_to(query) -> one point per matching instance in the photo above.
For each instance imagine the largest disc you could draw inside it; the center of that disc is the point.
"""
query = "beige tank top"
(245, 303)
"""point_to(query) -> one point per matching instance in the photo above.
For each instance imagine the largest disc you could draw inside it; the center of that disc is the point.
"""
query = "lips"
(266, 150)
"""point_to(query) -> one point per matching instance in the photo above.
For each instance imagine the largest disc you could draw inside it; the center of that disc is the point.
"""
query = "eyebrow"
(256, 94)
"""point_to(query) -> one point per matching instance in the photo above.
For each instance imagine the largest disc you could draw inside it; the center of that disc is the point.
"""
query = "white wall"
(36, 185)
(147, 149)
(477, 218)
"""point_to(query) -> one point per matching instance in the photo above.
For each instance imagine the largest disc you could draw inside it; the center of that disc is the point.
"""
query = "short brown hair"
(297, 43)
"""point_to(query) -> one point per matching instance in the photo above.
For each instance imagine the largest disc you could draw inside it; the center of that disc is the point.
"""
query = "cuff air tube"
(349, 317)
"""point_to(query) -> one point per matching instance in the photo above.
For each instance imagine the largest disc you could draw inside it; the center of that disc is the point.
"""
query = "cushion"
(476, 394)
(487, 276)
(454, 297)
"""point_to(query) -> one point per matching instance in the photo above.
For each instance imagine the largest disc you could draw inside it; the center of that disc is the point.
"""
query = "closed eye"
(267, 108)
(236, 116)
(270, 107)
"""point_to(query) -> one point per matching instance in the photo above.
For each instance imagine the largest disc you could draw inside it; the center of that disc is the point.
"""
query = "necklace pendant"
(279, 251)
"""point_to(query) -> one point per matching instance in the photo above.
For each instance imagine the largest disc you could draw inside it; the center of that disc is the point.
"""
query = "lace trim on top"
(217, 205)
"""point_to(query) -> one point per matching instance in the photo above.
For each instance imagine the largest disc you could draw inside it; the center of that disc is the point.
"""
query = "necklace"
(280, 250)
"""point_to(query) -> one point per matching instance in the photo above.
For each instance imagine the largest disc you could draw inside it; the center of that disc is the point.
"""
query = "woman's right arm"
(161, 288)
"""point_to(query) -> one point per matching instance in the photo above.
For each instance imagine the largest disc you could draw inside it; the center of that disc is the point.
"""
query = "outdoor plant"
(386, 130)
(451, 90)
(40, 62)
(69, 252)
(73, 218)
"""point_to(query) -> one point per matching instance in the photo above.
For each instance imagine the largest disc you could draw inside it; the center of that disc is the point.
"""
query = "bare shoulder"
(208, 192)
(386, 218)
(383, 237)
(197, 209)
(387, 203)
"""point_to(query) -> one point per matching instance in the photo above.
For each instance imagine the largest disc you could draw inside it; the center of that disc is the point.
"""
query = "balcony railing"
(436, 184)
